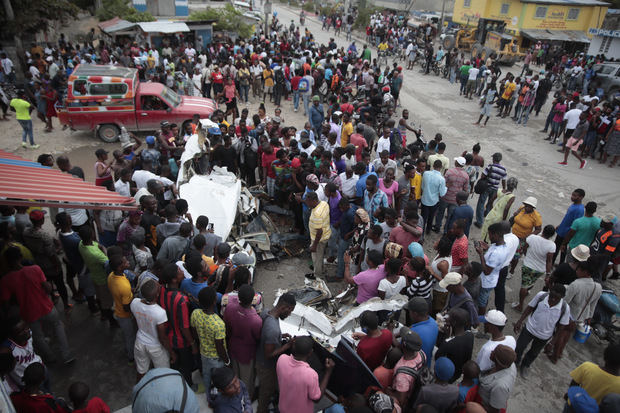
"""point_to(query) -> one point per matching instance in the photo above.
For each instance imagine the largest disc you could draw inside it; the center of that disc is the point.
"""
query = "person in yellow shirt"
(416, 181)
(320, 231)
(347, 130)
(23, 108)
(597, 381)
(383, 46)
(120, 289)
(504, 103)
(268, 83)
(526, 221)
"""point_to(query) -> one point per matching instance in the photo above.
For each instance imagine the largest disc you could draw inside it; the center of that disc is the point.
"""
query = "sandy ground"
(435, 104)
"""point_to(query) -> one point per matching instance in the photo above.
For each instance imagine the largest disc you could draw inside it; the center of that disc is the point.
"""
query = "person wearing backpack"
(543, 313)
(407, 379)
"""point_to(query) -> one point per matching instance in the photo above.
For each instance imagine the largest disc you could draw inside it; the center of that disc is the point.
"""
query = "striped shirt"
(495, 173)
(319, 219)
(176, 305)
(420, 287)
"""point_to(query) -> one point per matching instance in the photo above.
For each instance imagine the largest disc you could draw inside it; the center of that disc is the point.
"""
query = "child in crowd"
(78, 394)
(385, 372)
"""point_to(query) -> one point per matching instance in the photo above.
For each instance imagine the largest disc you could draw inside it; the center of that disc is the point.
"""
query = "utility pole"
(443, 9)
(267, 10)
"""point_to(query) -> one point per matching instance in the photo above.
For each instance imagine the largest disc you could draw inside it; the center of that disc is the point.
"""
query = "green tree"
(124, 10)
(36, 15)
(226, 18)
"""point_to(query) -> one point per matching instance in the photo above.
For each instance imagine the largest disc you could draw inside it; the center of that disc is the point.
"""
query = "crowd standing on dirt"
(368, 192)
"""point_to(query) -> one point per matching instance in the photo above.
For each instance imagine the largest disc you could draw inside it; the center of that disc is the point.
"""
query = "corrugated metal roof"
(164, 26)
(115, 25)
(569, 2)
(559, 35)
(28, 183)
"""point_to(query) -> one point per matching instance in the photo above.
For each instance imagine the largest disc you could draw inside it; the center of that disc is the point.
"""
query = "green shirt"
(95, 261)
(367, 54)
(585, 230)
(465, 70)
(21, 107)
(209, 327)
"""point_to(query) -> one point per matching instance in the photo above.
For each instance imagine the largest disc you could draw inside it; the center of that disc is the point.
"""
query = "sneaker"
(523, 372)
(310, 276)
(515, 306)
(583, 164)
(69, 360)
(35, 146)
(24, 145)
(562, 163)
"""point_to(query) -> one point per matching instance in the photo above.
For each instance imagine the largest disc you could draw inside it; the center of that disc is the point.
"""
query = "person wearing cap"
(404, 384)
(582, 295)
(543, 313)
(525, 221)
(603, 248)
(232, 392)
(460, 345)
(456, 180)
(423, 325)
(151, 153)
(494, 323)
(497, 383)
(598, 381)
(440, 394)
(583, 230)
(459, 297)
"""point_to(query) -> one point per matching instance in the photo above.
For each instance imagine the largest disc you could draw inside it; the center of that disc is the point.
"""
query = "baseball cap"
(127, 144)
(416, 250)
(150, 140)
(460, 160)
(315, 98)
(37, 215)
(444, 368)
(242, 258)
(495, 317)
(417, 305)
(581, 401)
(410, 339)
(214, 131)
(451, 278)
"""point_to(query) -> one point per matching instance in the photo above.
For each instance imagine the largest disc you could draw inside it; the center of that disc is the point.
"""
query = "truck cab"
(105, 98)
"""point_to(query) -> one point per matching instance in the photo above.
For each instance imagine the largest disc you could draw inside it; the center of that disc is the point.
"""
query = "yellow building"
(560, 20)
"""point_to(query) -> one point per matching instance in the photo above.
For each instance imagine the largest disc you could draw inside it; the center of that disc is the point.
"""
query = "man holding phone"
(492, 262)
(206, 230)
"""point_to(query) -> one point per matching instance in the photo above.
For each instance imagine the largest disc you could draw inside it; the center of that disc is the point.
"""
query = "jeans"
(343, 245)
(452, 75)
(428, 213)
(38, 337)
(296, 99)
(548, 121)
(481, 210)
(306, 99)
(332, 244)
(443, 205)
(524, 115)
(27, 130)
(243, 91)
(208, 365)
(558, 244)
(522, 342)
(278, 91)
(586, 83)
(267, 387)
(129, 333)
(500, 289)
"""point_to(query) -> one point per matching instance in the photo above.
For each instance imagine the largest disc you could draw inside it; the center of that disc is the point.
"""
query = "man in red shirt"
(374, 342)
(32, 399)
(295, 88)
(358, 140)
(456, 180)
(407, 231)
(31, 290)
(459, 246)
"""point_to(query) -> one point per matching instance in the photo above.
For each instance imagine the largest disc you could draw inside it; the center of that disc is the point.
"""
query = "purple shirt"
(368, 283)
(334, 211)
(243, 330)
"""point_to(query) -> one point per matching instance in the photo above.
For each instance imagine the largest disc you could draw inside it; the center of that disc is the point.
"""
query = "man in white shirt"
(7, 68)
(512, 244)
(348, 179)
(538, 251)
(122, 185)
(471, 81)
(545, 311)
(151, 343)
(492, 261)
(306, 145)
(494, 323)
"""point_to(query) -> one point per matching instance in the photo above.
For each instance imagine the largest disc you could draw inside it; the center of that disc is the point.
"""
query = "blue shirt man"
(360, 186)
(425, 326)
(576, 210)
(433, 186)
(374, 198)
(316, 115)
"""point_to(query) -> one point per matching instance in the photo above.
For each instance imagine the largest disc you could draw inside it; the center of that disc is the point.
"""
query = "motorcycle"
(602, 321)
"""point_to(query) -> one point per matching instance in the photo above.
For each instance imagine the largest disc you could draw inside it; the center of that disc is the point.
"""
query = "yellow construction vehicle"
(487, 39)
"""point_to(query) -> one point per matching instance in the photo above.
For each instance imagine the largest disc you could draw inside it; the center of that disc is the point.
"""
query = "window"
(79, 87)
(541, 12)
(108, 89)
(605, 44)
(573, 14)
(467, 3)
(504, 9)
(153, 103)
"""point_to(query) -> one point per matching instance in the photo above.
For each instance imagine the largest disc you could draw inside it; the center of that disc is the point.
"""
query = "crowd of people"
(379, 214)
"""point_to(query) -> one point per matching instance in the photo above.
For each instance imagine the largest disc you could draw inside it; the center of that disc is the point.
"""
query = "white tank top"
(436, 271)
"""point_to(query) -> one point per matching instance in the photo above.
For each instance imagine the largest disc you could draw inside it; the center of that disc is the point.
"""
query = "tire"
(485, 52)
(475, 49)
(436, 69)
(449, 41)
(108, 132)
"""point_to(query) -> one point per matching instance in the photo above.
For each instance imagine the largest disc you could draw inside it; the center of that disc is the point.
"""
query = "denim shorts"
(483, 298)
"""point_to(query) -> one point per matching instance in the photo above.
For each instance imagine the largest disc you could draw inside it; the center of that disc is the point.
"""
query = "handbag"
(482, 185)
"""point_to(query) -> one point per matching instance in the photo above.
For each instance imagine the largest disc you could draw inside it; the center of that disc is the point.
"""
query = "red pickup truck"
(104, 98)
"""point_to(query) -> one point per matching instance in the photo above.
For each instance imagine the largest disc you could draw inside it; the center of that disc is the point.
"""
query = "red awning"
(28, 183)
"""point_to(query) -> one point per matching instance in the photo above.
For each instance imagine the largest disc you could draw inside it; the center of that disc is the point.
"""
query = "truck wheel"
(109, 132)
(448, 42)
(475, 50)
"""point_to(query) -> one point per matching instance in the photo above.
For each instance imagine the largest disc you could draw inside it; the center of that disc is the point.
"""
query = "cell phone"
(211, 227)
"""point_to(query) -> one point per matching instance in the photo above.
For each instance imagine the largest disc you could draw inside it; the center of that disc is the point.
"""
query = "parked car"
(609, 75)
(104, 98)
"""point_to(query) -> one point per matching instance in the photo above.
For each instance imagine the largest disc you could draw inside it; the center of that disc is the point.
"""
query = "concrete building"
(606, 40)
(166, 8)
(546, 20)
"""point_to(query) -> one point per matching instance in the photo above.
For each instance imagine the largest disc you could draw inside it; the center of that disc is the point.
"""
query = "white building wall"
(614, 47)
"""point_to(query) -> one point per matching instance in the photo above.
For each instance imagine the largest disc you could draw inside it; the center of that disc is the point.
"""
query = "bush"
(122, 9)
(227, 19)
(308, 6)
(363, 17)
(294, 3)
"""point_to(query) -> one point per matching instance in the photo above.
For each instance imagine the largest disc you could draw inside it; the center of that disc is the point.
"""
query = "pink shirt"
(368, 283)
(299, 385)
(244, 328)
(389, 191)
(404, 382)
